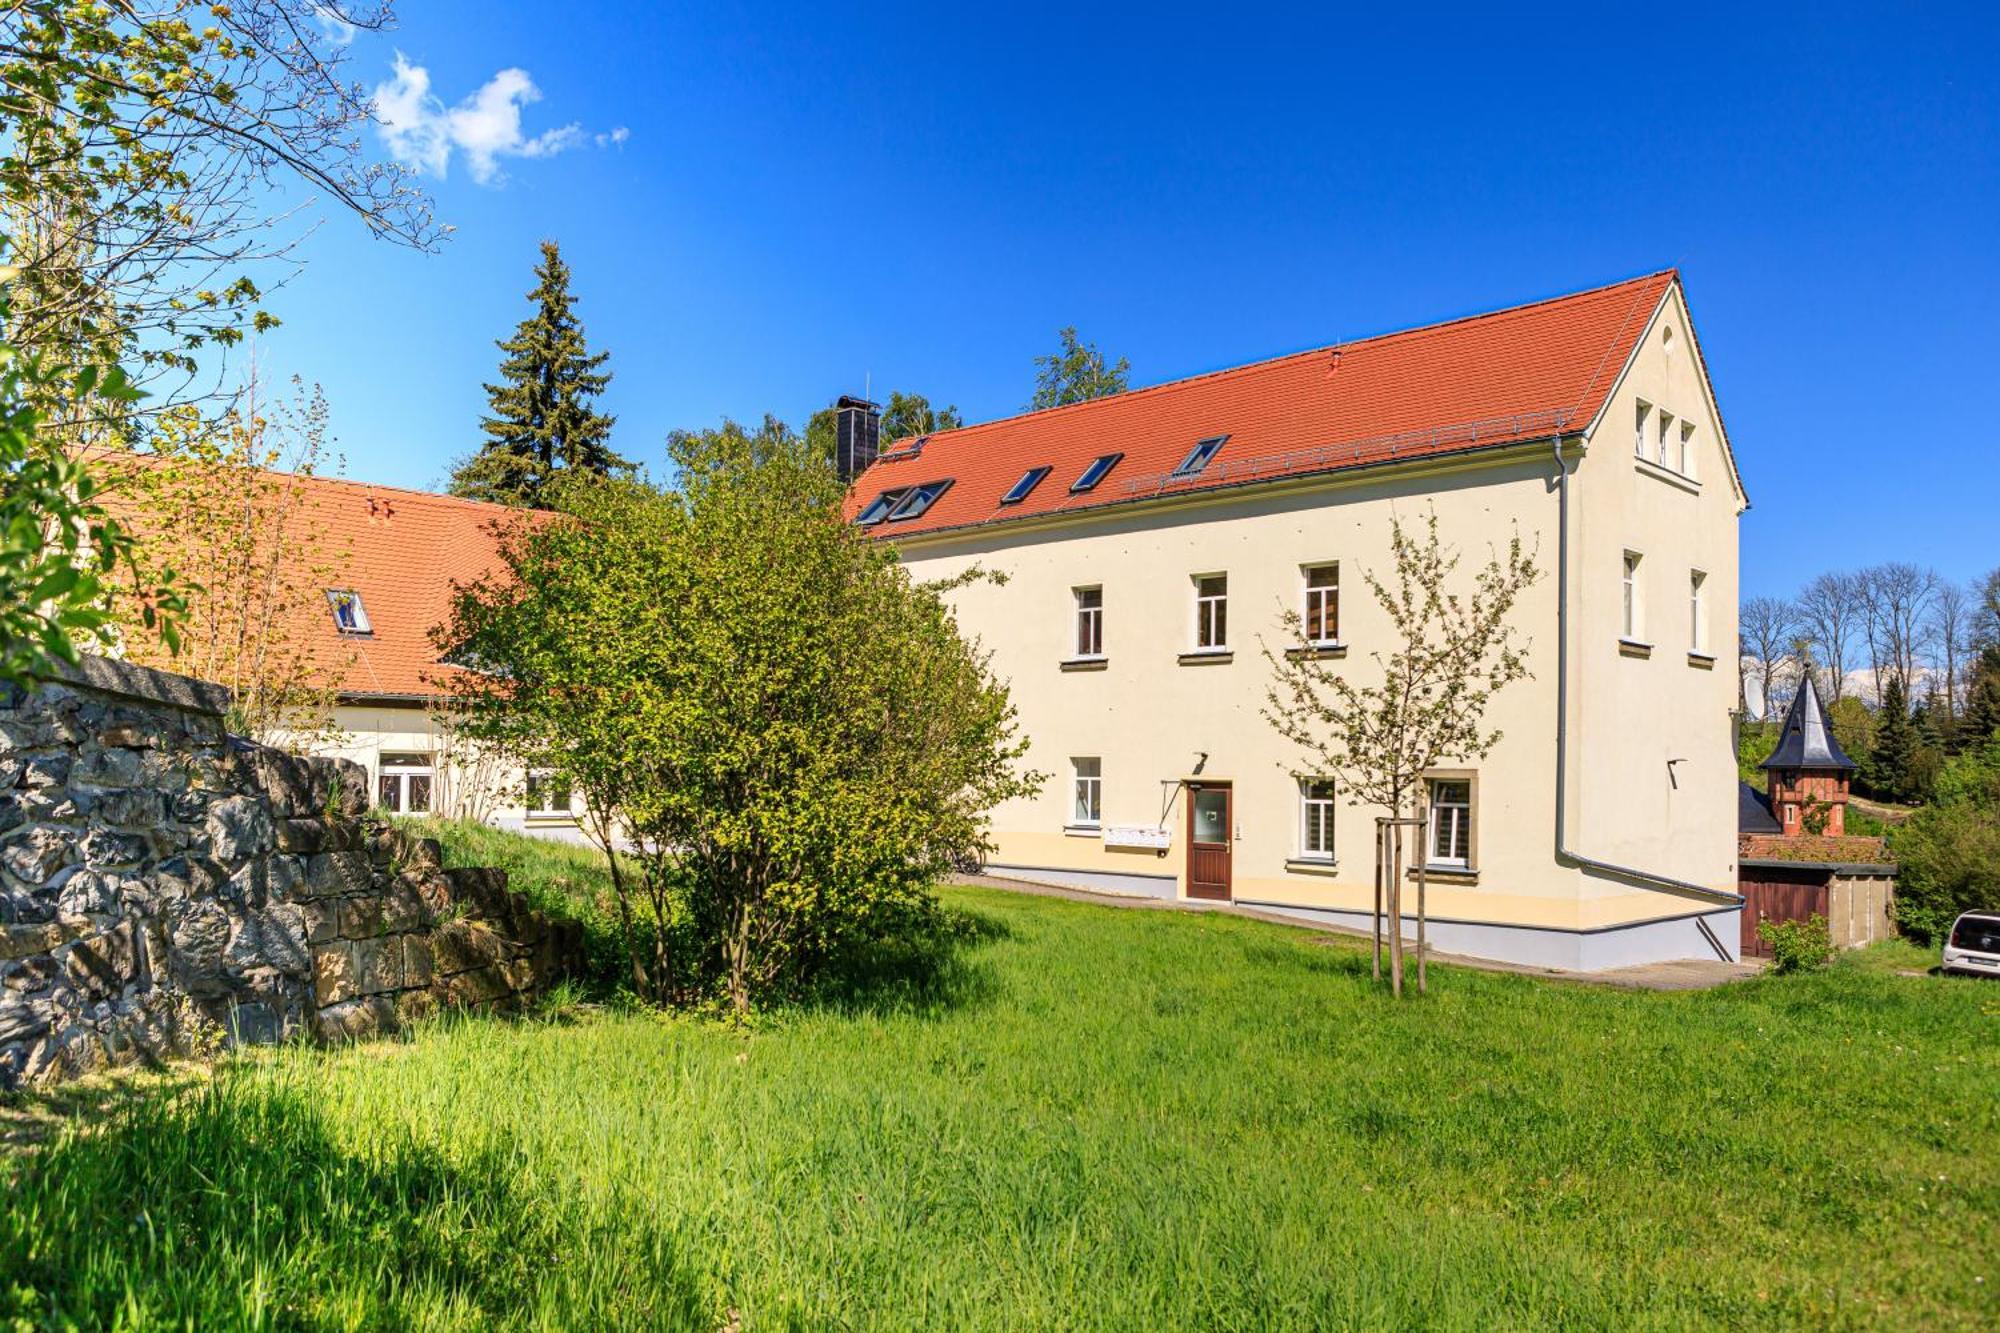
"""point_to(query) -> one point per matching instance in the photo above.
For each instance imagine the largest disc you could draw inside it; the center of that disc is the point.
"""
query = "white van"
(1973, 947)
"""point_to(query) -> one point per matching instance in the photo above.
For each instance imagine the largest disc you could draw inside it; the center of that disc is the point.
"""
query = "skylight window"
(349, 616)
(1096, 472)
(1198, 456)
(1029, 480)
(918, 500)
(878, 508)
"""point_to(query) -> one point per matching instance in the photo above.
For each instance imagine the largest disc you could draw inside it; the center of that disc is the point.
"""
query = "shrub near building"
(779, 739)
(1949, 851)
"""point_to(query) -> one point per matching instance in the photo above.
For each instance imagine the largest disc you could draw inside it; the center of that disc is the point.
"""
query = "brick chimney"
(857, 427)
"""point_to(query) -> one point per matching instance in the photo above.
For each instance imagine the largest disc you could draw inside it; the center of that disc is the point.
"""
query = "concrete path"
(1683, 974)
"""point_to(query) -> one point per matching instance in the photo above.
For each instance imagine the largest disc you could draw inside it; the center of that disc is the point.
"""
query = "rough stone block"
(107, 768)
(412, 1005)
(36, 854)
(322, 918)
(104, 848)
(104, 964)
(348, 968)
(274, 938)
(285, 780)
(466, 989)
(334, 874)
(199, 934)
(120, 807)
(47, 770)
(22, 941)
(418, 962)
(317, 835)
(462, 946)
(238, 828)
(353, 1020)
(362, 918)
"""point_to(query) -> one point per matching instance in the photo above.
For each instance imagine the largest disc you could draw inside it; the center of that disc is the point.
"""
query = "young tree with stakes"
(542, 420)
(1452, 653)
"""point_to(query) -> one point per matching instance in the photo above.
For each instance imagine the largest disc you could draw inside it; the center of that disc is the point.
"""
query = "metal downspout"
(1563, 852)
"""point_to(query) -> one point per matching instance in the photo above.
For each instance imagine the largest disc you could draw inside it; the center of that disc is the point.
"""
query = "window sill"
(1083, 830)
(1706, 661)
(1446, 874)
(1207, 657)
(1668, 475)
(1307, 865)
(1635, 648)
(1315, 652)
(1097, 663)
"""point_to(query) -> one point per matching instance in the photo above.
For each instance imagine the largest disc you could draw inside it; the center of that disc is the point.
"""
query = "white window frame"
(1322, 806)
(1666, 435)
(548, 780)
(1698, 611)
(1088, 623)
(1328, 596)
(1633, 602)
(1211, 615)
(1639, 428)
(398, 768)
(1086, 806)
(1460, 822)
(1687, 450)
(337, 598)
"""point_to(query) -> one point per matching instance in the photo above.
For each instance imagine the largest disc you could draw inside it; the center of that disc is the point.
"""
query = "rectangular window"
(1098, 470)
(548, 795)
(349, 615)
(1323, 603)
(1088, 805)
(1451, 823)
(1631, 621)
(1198, 456)
(1021, 489)
(404, 785)
(1666, 434)
(1687, 449)
(1639, 430)
(1316, 819)
(1697, 618)
(1211, 611)
(1090, 622)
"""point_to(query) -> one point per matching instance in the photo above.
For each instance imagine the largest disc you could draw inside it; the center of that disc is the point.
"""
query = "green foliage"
(1797, 946)
(145, 150)
(59, 549)
(789, 735)
(1754, 743)
(1901, 765)
(541, 423)
(1103, 1119)
(1853, 726)
(1981, 722)
(1948, 852)
(1076, 372)
(907, 415)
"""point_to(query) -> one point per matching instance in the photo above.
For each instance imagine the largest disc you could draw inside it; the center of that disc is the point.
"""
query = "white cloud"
(484, 128)
(334, 23)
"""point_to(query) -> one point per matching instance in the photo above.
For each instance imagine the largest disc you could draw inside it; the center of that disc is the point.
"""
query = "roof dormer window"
(1099, 468)
(1198, 457)
(878, 508)
(349, 615)
(918, 500)
(1029, 480)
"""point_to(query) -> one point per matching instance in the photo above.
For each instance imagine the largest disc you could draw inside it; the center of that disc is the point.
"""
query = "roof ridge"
(1671, 272)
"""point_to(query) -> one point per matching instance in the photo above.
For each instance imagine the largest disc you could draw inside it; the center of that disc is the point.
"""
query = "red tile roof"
(403, 551)
(1487, 380)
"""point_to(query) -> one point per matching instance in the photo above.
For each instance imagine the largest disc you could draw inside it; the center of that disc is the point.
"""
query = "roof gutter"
(1564, 853)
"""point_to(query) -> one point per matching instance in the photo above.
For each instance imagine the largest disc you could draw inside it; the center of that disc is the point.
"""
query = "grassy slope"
(1101, 1118)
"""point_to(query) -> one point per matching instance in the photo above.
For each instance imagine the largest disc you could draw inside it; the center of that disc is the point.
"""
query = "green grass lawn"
(1093, 1118)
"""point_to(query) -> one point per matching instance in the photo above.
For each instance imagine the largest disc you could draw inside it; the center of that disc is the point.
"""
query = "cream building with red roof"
(1153, 539)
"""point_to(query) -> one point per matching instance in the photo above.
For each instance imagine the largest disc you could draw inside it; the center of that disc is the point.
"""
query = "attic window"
(1029, 480)
(878, 508)
(918, 500)
(349, 616)
(1198, 456)
(1096, 472)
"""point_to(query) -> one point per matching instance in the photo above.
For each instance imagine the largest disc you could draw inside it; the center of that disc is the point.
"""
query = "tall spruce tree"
(541, 420)
(1896, 742)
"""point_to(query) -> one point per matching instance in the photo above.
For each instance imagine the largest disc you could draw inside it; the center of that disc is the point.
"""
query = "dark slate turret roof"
(1807, 740)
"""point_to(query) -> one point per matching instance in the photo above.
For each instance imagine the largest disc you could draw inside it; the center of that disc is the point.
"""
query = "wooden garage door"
(1773, 894)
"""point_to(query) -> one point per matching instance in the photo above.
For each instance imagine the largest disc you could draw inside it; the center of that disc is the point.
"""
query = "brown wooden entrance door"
(1775, 893)
(1209, 823)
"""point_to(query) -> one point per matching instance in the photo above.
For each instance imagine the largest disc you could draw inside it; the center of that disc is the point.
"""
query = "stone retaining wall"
(164, 886)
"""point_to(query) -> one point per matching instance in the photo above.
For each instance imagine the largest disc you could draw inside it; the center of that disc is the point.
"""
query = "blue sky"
(766, 209)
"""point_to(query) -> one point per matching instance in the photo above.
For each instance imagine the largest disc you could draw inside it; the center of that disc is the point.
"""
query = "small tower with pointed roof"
(1808, 768)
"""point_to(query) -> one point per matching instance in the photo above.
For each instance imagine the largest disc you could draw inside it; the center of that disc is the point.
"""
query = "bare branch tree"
(1767, 627)
(1830, 614)
(1950, 632)
(1899, 597)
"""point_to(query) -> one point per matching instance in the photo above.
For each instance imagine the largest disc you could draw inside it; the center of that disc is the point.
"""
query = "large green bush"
(1797, 946)
(1949, 851)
